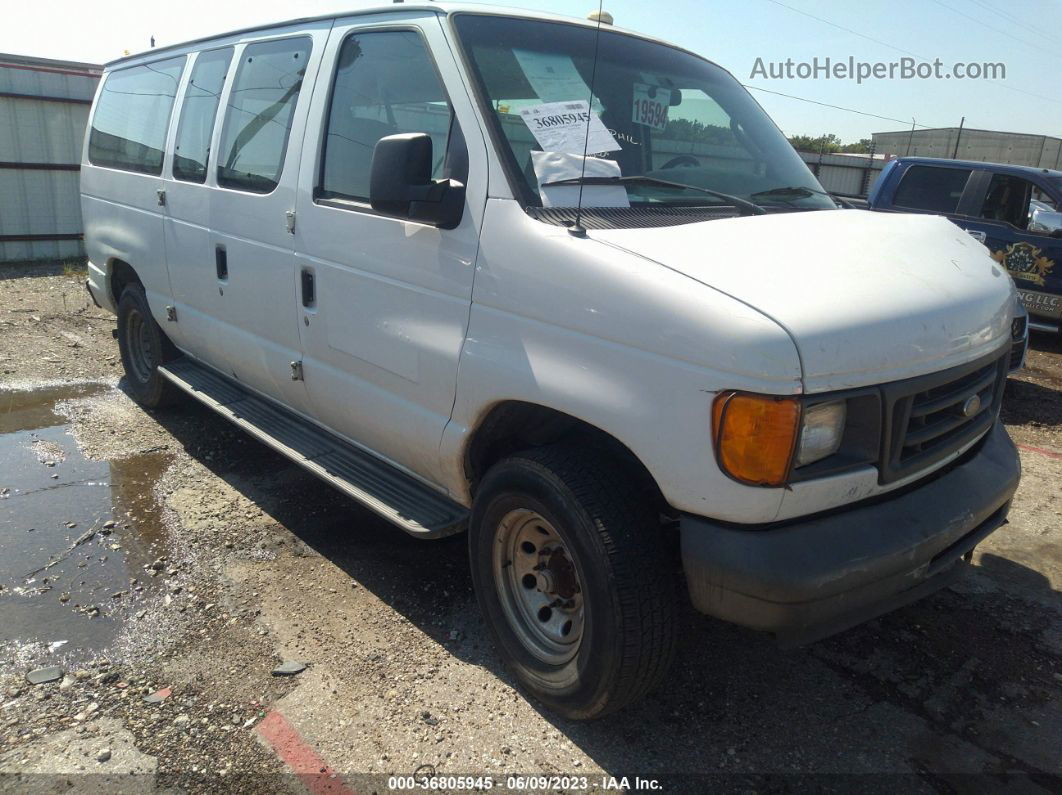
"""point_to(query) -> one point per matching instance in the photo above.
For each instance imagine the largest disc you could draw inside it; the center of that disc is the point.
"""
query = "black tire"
(143, 347)
(626, 577)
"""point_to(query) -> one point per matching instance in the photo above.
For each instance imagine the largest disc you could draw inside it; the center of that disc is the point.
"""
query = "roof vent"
(603, 17)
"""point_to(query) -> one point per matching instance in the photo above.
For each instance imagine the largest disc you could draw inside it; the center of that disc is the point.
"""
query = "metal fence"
(44, 107)
(845, 175)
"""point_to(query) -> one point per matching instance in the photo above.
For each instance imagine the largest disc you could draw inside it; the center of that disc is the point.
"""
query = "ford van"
(567, 289)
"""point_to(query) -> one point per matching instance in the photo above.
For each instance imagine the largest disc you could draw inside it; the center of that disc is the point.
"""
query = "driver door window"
(1008, 200)
(385, 84)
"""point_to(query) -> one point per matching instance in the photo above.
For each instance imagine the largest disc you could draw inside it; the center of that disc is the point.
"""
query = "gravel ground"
(258, 563)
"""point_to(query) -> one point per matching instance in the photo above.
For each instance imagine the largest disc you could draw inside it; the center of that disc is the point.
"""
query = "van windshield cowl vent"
(629, 217)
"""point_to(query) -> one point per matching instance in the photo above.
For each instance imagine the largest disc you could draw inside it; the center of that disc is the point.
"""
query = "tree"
(828, 144)
(862, 147)
(698, 132)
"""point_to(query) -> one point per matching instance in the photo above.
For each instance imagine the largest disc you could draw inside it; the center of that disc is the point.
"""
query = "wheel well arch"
(121, 275)
(514, 425)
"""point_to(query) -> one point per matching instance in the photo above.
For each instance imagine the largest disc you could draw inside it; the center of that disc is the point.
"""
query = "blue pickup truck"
(1016, 211)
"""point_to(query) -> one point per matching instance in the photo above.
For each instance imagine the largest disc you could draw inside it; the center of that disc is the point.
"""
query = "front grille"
(1018, 333)
(1017, 351)
(929, 418)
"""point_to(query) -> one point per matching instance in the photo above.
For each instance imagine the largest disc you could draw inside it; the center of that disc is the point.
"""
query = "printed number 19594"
(650, 105)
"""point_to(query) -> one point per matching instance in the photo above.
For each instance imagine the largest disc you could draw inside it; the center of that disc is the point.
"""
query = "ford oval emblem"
(971, 405)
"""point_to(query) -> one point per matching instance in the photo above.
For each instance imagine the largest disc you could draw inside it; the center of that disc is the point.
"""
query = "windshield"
(657, 112)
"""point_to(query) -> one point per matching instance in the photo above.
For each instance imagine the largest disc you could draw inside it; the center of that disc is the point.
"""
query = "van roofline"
(441, 9)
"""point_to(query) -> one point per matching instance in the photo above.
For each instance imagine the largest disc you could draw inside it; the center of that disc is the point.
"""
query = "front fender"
(630, 347)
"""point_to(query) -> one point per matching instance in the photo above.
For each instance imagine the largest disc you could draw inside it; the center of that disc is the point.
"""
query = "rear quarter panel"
(123, 221)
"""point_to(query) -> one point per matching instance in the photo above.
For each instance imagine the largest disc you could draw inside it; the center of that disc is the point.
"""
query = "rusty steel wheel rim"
(538, 586)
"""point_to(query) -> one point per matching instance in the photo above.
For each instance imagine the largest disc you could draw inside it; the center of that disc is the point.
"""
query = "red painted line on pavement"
(316, 775)
(1040, 450)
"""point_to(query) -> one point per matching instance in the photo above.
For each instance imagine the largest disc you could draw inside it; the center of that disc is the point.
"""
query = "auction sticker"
(553, 77)
(650, 105)
(568, 127)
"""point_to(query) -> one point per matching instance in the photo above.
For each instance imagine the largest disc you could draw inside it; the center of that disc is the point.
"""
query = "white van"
(377, 243)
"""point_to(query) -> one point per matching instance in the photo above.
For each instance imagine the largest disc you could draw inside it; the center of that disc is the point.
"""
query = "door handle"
(308, 288)
(221, 262)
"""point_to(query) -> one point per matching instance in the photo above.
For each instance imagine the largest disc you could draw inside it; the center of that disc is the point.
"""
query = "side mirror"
(400, 183)
(1046, 222)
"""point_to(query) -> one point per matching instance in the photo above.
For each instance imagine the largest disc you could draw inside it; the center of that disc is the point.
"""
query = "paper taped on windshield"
(568, 127)
(553, 77)
(556, 166)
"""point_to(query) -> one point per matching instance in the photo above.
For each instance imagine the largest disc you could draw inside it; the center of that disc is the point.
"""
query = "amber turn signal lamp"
(755, 436)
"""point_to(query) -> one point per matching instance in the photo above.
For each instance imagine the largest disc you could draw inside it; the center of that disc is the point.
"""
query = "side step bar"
(1038, 325)
(379, 486)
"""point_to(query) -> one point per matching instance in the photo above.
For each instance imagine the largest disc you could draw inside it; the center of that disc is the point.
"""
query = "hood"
(867, 297)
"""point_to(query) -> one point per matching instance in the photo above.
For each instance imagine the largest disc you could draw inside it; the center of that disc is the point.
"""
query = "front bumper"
(814, 577)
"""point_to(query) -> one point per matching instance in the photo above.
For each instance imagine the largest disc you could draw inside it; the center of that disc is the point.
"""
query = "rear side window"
(385, 84)
(198, 110)
(260, 112)
(931, 188)
(132, 116)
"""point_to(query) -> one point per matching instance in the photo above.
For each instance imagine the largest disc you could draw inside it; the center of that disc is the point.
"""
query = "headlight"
(760, 438)
(820, 432)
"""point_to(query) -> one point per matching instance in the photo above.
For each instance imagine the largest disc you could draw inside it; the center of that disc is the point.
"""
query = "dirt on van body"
(232, 561)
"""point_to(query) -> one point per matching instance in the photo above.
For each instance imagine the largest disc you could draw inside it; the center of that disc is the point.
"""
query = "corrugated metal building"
(846, 174)
(987, 146)
(44, 106)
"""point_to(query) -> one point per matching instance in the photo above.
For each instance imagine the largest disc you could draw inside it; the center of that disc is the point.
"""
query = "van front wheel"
(143, 347)
(573, 574)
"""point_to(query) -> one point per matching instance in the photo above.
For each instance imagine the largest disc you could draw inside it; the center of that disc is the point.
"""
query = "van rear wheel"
(143, 347)
(574, 577)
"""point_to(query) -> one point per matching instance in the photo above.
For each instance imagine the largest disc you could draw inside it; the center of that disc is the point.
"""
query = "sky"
(1025, 35)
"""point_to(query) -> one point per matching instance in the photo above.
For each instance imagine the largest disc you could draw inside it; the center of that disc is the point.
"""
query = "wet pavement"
(77, 536)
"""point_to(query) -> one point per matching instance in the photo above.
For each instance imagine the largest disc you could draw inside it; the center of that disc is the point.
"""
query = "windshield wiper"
(798, 192)
(748, 207)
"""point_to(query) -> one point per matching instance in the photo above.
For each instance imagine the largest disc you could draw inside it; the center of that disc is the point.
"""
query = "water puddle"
(76, 535)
